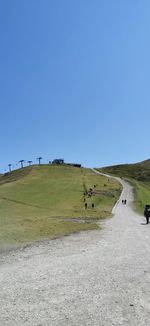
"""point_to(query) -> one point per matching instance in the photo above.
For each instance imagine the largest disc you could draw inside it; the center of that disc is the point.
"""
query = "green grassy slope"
(139, 175)
(39, 202)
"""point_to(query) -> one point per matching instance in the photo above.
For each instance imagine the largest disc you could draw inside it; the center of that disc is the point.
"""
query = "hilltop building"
(58, 161)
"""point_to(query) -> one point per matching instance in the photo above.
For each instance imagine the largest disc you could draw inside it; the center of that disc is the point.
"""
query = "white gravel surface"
(97, 278)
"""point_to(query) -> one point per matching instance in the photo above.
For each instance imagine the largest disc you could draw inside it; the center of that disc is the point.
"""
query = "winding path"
(96, 278)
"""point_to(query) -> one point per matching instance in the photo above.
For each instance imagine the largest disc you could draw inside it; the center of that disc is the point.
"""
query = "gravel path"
(97, 278)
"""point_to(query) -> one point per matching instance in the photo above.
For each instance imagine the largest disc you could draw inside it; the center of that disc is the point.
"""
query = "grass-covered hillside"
(139, 175)
(46, 201)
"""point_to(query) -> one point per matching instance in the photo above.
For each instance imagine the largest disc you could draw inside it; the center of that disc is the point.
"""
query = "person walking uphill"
(147, 213)
(85, 205)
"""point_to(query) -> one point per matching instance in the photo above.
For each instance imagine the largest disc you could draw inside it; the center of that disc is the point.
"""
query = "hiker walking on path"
(147, 213)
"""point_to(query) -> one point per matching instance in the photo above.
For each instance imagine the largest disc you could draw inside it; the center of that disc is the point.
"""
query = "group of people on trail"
(87, 205)
(146, 210)
(89, 193)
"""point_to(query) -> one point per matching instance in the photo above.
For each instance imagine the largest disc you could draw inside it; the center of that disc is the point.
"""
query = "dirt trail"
(97, 278)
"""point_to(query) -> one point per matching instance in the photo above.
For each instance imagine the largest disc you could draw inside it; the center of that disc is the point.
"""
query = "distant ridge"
(138, 171)
(145, 162)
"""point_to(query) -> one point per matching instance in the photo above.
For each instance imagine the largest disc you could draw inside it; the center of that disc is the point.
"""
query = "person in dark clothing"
(147, 213)
(85, 205)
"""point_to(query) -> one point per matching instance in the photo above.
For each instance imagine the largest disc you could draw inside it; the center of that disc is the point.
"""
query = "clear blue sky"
(75, 81)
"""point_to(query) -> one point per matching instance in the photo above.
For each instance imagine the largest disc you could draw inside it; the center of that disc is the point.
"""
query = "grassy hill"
(45, 201)
(139, 175)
